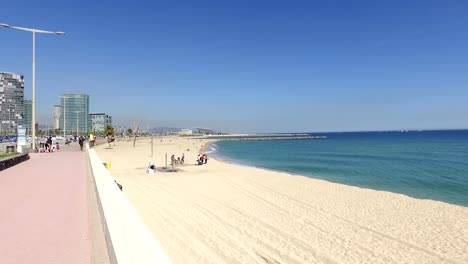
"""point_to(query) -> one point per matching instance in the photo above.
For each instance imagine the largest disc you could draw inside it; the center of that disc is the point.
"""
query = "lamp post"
(33, 101)
(9, 117)
(64, 114)
(64, 107)
(76, 112)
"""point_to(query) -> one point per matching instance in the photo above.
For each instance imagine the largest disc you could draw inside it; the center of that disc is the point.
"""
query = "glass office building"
(74, 116)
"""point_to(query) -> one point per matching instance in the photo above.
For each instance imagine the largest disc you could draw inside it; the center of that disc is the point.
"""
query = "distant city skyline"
(250, 66)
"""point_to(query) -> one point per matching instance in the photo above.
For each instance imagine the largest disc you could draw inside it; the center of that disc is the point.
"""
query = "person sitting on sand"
(151, 168)
(205, 158)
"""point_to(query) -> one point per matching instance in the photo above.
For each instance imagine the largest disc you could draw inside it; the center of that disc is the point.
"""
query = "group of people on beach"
(202, 159)
(178, 161)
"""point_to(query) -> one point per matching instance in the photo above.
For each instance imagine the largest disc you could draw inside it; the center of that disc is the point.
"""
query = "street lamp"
(33, 101)
(64, 114)
(9, 117)
(76, 112)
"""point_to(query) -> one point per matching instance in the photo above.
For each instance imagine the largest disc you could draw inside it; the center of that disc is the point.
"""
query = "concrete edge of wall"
(6, 163)
(130, 238)
(94, 200)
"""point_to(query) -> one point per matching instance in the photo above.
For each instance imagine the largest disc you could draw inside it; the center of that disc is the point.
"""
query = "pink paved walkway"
(44, 210)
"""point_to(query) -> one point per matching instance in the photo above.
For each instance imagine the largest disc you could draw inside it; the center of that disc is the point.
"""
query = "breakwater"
(268, 137)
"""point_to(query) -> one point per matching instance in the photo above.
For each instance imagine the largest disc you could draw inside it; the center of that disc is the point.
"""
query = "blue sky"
(249, 66)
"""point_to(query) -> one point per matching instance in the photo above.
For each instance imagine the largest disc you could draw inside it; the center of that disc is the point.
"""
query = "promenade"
(49, 212)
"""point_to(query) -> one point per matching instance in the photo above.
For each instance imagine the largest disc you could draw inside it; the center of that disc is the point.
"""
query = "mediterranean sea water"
(421, 164)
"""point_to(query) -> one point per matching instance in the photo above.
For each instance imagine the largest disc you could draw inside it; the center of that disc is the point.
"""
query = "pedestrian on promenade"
(91, 140)
(49, 144)
(80, 141)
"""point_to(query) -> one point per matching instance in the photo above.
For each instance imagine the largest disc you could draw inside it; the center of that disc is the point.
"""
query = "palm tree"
(109, 130)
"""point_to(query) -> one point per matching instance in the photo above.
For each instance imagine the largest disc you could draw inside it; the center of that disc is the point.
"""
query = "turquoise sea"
(421, 164)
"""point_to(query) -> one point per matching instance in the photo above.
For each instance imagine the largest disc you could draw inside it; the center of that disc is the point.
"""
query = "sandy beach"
(226, 213)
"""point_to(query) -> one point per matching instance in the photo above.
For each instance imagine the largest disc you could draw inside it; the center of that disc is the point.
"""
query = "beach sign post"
(152, 135)
(21, 138)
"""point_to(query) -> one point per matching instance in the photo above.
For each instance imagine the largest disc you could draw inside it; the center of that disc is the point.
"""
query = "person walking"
(49, 144)
(80, 141)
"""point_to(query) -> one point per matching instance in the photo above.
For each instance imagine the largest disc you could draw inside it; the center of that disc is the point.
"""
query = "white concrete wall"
(131, 239)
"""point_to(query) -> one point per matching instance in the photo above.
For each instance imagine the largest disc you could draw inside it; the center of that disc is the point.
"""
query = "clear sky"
(249, 66)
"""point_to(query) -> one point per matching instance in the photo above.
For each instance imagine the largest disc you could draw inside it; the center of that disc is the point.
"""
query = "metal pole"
(166, 160)
(9, 117)
(64, 120)
(33, 101)
(76, 124)
(86, 123)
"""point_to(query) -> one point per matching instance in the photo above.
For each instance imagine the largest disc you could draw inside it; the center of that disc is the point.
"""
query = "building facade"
(99, 121)
(206, 131)
(186, 132)
(74, 114)
(11, 102)
(57, 112)
(27, 118)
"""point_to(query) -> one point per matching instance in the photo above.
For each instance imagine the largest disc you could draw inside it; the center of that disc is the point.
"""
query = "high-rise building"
(99, 122)
(27, 118)
(57, 111)
(11, 101)
(74, 114)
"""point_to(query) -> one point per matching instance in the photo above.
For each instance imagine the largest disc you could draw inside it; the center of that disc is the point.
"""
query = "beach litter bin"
(10, 149)
(107, 165)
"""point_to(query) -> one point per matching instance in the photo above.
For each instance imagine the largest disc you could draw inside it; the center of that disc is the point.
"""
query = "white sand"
(224, 213)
